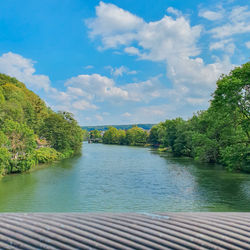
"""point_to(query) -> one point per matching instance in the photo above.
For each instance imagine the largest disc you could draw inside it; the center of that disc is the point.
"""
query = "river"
(125, 179)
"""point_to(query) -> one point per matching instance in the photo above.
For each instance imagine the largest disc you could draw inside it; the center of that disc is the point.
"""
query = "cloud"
(78, 92)
(211, 15)
(146, 91)
(174, 11)
(97, 86)
(83, 91)
(219, 44)
(100, 88)
(158, 40)
(237, 22)
(169, 40)
(172, 41)
(151, 114)
(113, 21)
(126, 114)
(120, 71)
(247, 44)
(132, 51)
(83, 105)
(23, 69)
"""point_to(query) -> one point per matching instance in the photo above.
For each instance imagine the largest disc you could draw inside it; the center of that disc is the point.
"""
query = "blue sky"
(119, 62)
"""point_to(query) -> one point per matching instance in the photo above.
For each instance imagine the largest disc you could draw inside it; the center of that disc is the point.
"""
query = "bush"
(236, 157)
(5, 157)
(44, 155)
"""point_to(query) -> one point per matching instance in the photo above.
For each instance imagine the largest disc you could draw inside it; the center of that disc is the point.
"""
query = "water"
(121, 179)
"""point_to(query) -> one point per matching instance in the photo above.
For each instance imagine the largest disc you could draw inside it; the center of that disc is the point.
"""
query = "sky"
(123, 62)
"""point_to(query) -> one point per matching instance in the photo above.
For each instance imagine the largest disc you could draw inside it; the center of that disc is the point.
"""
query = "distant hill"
(124, 127)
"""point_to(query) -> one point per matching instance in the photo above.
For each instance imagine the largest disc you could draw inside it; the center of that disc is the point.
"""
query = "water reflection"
(219, 189)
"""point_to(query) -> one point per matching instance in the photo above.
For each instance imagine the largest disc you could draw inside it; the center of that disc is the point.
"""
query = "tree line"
(134, 136)
(220, 134)
(30, 132)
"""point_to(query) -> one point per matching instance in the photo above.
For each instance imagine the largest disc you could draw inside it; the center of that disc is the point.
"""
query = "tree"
(95, 136)
(5, 158)
(136, 136)
(24, 117)
(121, 137)
(154, 135)
(20, 137)
(62, 132)
(111, 136)
(232, 97)
(85, 134)
(219, 134)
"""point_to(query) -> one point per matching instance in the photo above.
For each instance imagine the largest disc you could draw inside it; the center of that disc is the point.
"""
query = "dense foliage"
(219, 134)
(95, 135)
(135, 136)
(122, 127)
(30, 132)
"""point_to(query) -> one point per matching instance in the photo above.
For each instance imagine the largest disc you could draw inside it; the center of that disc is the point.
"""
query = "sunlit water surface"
(120, 178)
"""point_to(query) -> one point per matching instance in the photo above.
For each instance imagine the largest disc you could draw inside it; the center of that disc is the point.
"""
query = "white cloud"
(132, 51)
(219, 44)
(247, 44)
(211, 15)
(145, 91)
(174, 11)
(113, 21)
(126, 114)
(97, 86)
(226, 45)
(120, 71)
(169, 40)
(78, 92)
(238, 22)
(239, 14)
(83, 105)
(152, 114)
(101, 88)
(159, 40)
(23, 69)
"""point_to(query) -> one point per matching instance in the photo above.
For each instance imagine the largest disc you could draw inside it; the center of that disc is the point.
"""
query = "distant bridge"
(125, 231)
(97, 140)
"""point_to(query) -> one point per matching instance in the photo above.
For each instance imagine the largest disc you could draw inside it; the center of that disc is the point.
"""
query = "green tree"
(5, 158)
(219, 134)
(62, 132)
(20, 137)
(121, 137)
(153, 137)
(136, 136)
(111, 136)
(95, 134)
(24, 118)
(85, 134)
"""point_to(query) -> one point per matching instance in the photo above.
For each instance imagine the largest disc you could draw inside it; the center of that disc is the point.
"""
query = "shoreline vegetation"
(221, 134)
(30, 132)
